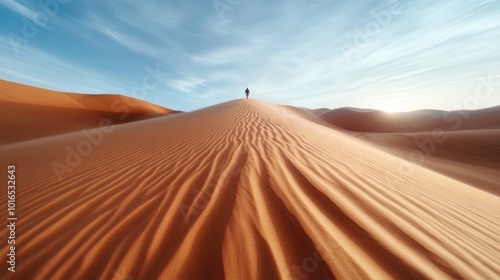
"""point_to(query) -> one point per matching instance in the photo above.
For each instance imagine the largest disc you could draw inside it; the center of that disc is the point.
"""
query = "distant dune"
(461, 144)
(29, 112)
(246, 190)
(367, 120)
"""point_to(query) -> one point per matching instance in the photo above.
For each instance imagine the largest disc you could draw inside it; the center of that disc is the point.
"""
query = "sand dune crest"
(244, 190)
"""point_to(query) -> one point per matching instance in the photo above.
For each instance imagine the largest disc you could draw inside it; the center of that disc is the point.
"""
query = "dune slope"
(29, 112)
(242, 190)
(460, 144)
(368, 120)
(471, 156)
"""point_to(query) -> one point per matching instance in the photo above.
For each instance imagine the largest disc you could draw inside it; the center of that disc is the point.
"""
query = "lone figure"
(247, 92)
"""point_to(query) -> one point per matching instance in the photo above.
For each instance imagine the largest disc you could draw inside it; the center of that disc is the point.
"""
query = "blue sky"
(393, 55)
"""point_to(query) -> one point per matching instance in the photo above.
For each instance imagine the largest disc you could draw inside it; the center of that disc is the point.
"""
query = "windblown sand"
(241, 190)
(29, 113)
(461, 144)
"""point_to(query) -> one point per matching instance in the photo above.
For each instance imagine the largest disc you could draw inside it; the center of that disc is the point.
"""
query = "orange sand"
(242, 190)
(29, 112)
(462, 144)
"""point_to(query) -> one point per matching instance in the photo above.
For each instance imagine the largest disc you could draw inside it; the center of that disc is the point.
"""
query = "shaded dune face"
(29, 113)
(461, 144)
(243, 190)
(367, 120)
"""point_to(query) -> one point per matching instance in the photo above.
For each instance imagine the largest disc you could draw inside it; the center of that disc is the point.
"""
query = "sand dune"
(368, 120)
(460, 144)
(471, 156)
(30, 113)
(241, 190)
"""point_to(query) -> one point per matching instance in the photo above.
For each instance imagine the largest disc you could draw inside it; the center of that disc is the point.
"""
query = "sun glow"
(394, 106)
(392, 109)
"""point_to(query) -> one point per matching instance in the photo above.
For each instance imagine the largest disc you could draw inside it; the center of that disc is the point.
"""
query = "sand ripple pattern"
(243, 190)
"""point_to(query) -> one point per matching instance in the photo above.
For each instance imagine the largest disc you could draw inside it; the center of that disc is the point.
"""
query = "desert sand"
(369, 120)
(244, 190)
(29, 112)
(461, 144)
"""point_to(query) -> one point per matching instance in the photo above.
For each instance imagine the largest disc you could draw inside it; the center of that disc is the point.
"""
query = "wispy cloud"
(41, 68)
(18, 8)
(287, 52)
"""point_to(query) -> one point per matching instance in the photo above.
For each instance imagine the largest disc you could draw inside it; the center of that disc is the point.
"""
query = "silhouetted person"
(247, 92)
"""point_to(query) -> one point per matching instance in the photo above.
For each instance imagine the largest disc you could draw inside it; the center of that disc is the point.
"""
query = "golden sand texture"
(242, 190)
